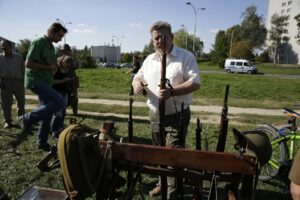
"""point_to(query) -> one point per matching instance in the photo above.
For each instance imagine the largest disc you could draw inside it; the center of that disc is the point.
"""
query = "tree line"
(245, 40)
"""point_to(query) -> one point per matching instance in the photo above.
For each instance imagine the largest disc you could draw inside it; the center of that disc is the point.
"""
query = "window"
(282, 11)
(283, 4)
(245, 64)
(232, 63)
(290, 2)
(288, 10)
(239, 63)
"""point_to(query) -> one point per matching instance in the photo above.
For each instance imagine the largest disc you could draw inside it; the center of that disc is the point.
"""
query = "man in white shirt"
(183, 75)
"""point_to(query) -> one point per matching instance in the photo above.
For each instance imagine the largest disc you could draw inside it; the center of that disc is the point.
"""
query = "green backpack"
(80, 160)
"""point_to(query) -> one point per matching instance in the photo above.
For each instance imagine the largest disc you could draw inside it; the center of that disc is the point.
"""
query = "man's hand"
(138, 86)
(165, 94)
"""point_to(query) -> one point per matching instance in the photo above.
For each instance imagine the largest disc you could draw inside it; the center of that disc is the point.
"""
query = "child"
(61, 79)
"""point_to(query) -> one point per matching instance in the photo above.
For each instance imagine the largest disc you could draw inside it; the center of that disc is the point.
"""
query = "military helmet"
(258, 144)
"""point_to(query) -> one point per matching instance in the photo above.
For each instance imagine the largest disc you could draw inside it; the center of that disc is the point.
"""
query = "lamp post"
(195, 12)
(186, 35)
(231, 43)
(64, 24)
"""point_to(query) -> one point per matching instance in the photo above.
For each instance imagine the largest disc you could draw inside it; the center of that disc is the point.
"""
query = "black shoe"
(44, 146)
(25, 126)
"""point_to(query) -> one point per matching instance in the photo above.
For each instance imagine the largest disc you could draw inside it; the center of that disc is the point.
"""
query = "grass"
(245, 90)
(18, 170)
(264, 68)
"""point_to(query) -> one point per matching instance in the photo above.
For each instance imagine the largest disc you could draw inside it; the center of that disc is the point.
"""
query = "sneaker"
(25, 126)
(7, 125)
(155, 192)
(44, 146)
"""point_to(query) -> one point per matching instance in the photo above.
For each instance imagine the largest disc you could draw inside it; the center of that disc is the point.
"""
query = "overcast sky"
(125, 22)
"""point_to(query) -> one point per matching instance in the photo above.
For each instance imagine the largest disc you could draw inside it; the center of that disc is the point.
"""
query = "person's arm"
(129, 71)
(295, 191)
(138, 85)
(181, 89)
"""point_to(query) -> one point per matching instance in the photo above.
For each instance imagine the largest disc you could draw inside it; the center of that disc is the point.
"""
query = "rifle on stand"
(221, 144)
(163, 179)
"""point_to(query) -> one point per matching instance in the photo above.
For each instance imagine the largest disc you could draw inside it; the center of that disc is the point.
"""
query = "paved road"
(281, 76)
(211, 109)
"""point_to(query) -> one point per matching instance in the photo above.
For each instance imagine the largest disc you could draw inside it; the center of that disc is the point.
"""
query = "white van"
(239, 66)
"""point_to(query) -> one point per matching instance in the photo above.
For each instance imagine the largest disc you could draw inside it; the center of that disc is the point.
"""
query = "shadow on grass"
(114, 118)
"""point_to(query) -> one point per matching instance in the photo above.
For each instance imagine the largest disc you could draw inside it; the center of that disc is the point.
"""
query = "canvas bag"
(80, 160)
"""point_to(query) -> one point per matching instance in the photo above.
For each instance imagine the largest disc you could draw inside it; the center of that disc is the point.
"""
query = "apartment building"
(290, 53)
(106, 53)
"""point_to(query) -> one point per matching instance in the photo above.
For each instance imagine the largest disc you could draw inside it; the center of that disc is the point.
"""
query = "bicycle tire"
(279, 153)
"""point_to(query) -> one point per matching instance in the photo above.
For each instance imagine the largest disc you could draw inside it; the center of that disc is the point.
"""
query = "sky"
(120, 22)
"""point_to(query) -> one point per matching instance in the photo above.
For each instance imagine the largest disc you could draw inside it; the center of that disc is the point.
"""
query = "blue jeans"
(58, 117)
(50, 103)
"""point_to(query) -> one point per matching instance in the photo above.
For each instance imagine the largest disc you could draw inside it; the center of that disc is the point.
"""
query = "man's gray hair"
(159, 25)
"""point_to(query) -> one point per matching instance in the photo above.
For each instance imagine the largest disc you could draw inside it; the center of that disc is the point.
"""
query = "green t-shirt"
(43, 52)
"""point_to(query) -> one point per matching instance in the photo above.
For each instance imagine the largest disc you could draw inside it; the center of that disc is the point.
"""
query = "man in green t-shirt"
(40, 65)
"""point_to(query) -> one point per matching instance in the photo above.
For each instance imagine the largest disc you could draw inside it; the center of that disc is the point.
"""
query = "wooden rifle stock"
(224, 123)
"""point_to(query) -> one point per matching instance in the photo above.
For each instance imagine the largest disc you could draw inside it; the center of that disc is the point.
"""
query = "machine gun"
(49, 161)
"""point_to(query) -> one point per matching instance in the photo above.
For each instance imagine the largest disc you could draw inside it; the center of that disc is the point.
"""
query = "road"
(211, 118)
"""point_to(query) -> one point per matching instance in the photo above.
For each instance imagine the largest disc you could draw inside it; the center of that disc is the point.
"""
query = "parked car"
(129, 65)
(239, 66)
(109, 64)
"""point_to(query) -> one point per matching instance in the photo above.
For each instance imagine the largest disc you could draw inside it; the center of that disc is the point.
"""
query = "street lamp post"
(231, 43)
(186, 35)
(195, 12)
(64, 24)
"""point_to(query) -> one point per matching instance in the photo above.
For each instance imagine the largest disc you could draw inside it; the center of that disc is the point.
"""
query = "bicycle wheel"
(279, 154)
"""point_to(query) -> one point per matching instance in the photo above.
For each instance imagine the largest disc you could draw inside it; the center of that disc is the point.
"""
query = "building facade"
(290, 53)
(106, 53)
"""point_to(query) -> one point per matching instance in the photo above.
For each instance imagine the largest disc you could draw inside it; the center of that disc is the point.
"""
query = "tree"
(276, 35)
(184, 40)
(84, 58)
(148, 49)
(297, 18)
(23, 47)
(221, 48)
(252, 28)
(242, 49)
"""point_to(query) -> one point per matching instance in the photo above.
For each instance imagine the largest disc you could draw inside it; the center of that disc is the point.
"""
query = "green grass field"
(18, 169)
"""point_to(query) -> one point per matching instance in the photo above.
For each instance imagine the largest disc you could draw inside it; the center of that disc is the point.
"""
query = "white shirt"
(181, 67)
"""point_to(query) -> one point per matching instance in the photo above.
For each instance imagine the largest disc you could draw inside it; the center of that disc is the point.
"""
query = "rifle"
(130, 140)
(45, 164)
(221, 144)
(130, 122)
(224, 123)
(198, 132)
(162, 115)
